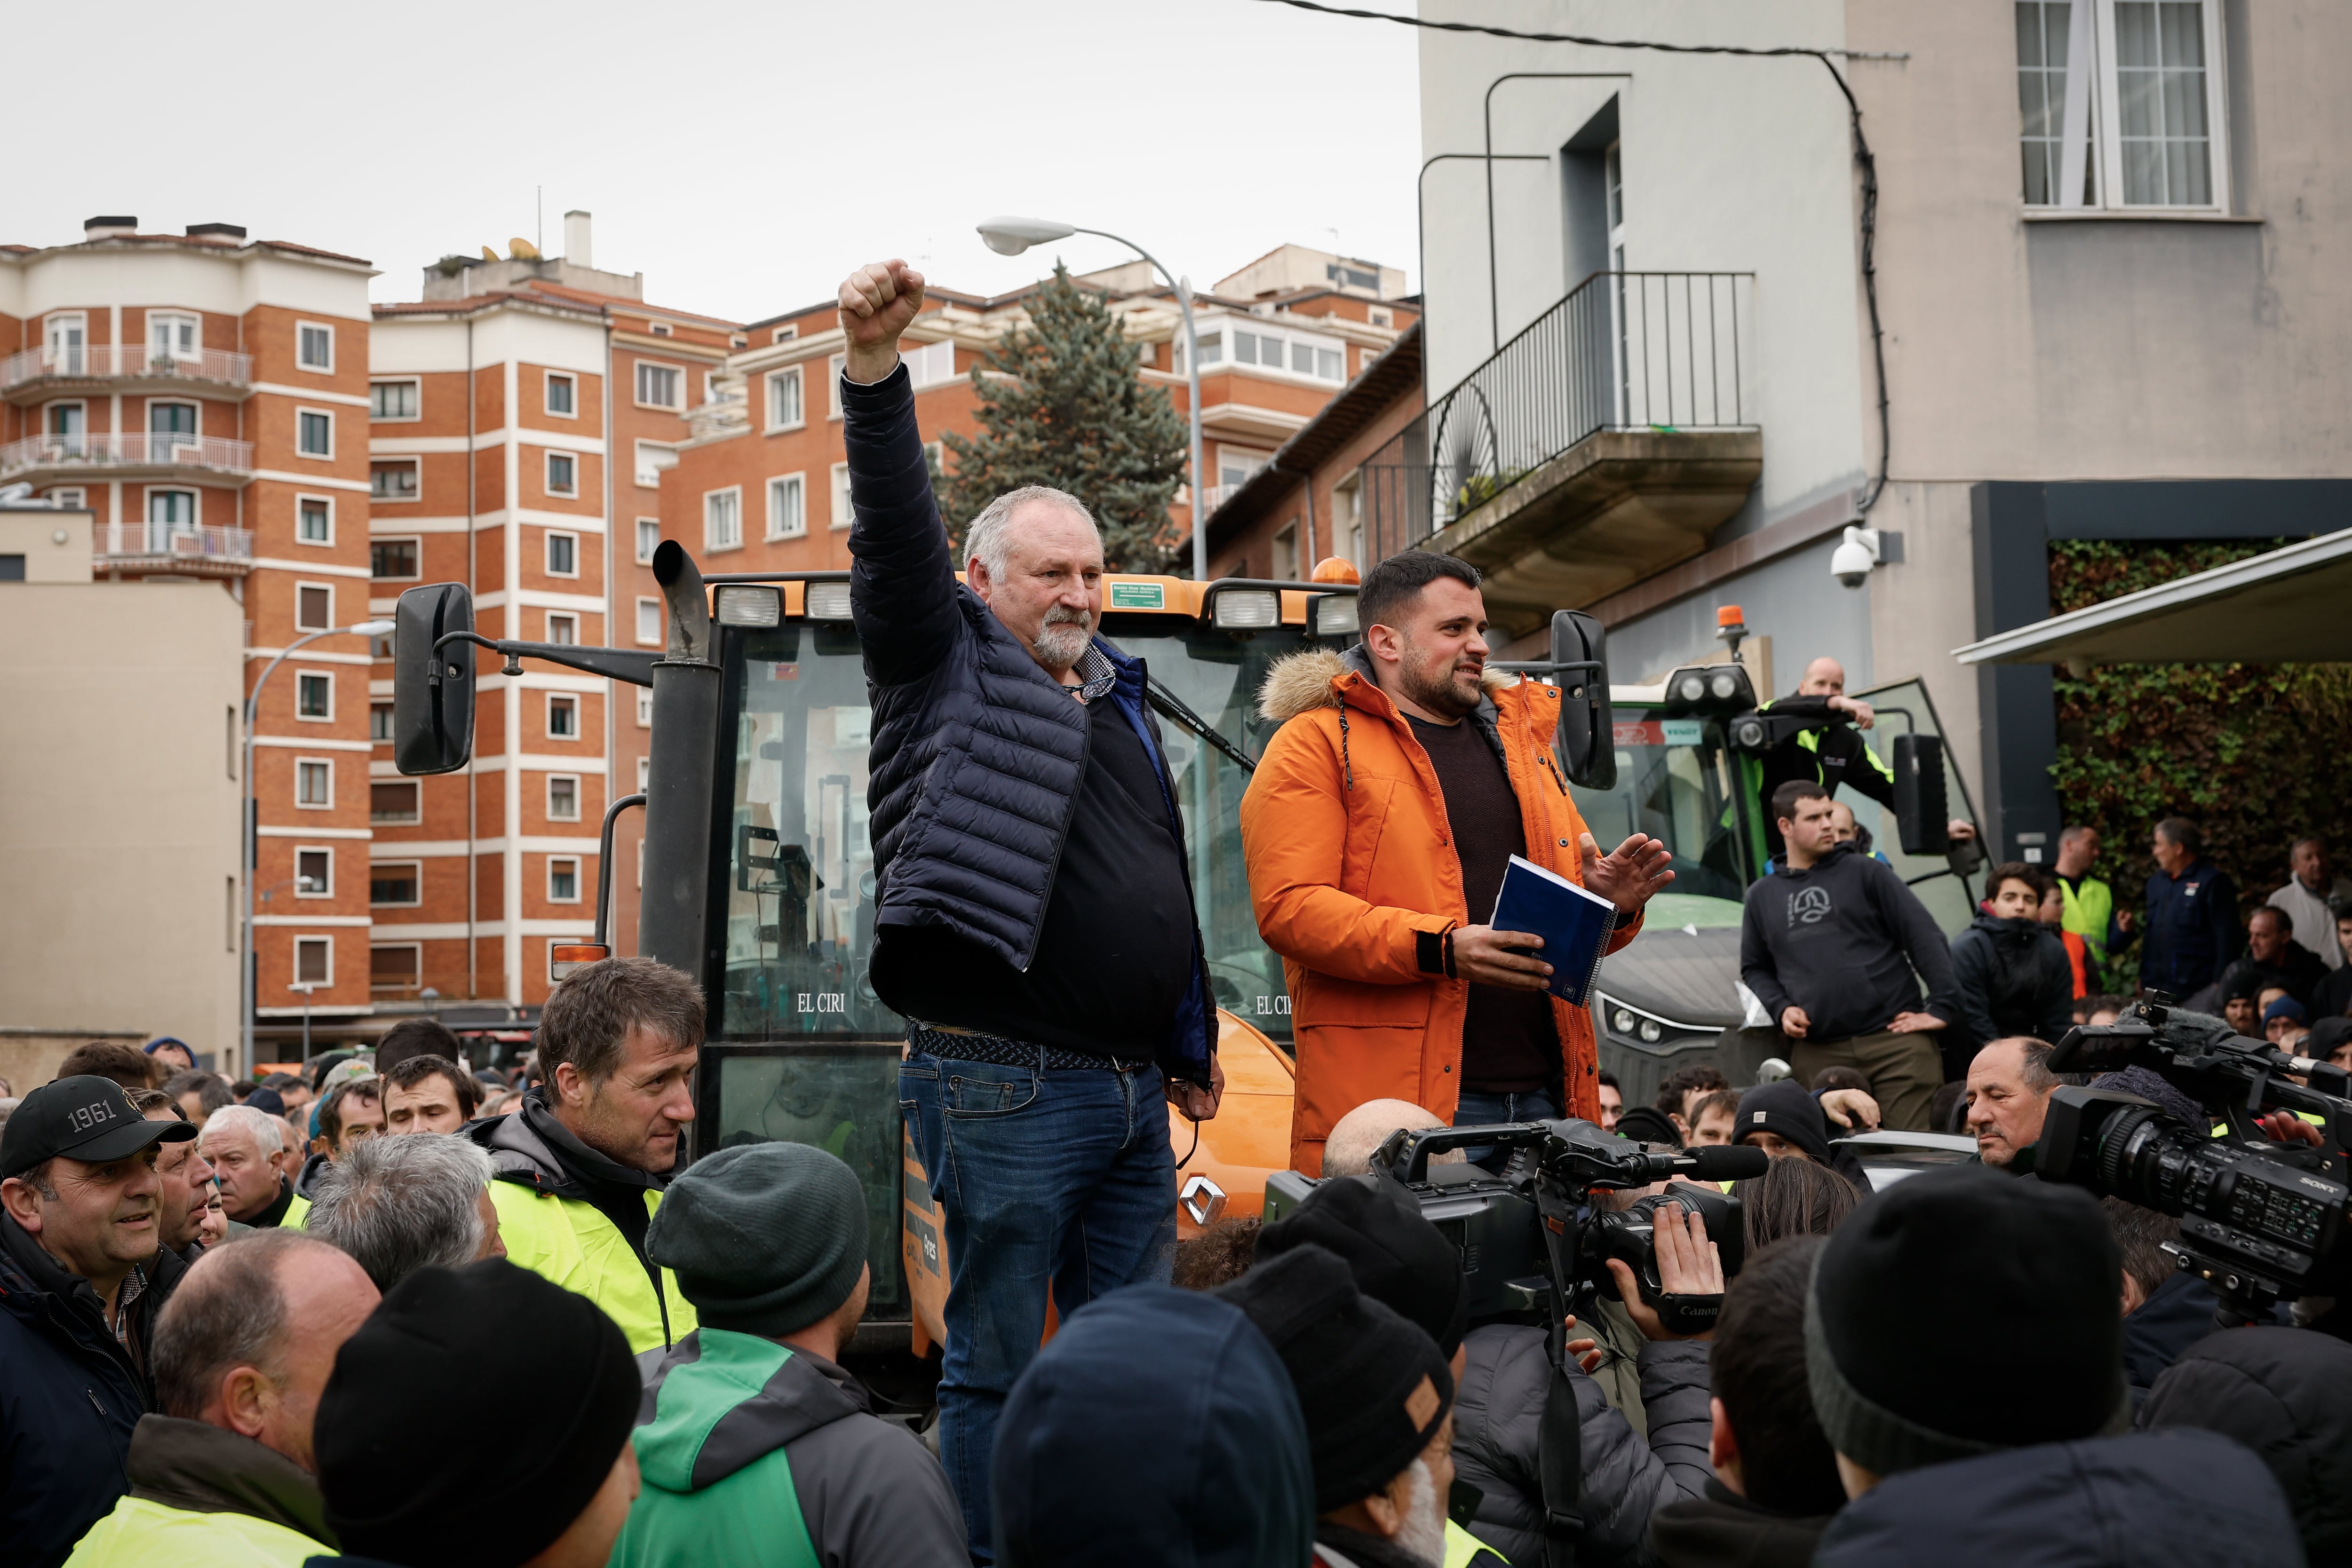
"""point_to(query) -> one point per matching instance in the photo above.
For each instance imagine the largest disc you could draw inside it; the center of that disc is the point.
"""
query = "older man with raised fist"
(1034, 923)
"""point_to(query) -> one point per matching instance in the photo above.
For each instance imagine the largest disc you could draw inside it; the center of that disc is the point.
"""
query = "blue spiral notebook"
(1574, 924)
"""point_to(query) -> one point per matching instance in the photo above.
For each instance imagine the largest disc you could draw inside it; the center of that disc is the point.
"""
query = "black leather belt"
(998, 1051)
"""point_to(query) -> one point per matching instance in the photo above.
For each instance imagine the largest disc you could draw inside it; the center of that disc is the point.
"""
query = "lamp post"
(1011, 236)
(247, 980)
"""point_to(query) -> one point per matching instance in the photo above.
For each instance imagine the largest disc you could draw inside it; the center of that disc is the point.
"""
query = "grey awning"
(2291, 604)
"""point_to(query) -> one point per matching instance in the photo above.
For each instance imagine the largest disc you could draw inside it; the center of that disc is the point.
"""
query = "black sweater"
(1840, 939)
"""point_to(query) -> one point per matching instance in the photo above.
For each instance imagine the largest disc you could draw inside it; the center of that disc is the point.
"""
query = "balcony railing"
(128, 449)
(1663, 352)
(182, 545)
(106, 361)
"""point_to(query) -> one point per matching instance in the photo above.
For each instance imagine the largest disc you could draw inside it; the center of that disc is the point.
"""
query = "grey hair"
(230, 1311)
(269, 1134)
(404, 1203)
(985, 540)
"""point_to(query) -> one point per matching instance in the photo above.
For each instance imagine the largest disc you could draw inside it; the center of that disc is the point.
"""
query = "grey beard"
(1423, 1534)
(1062, 642)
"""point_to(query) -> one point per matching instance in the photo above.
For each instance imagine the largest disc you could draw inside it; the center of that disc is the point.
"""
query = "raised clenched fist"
(877, 301)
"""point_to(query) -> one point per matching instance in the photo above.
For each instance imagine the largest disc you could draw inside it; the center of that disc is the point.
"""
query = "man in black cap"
(1784, 1120)
(2020, 1279)
(479, 1419)
(1378, 1399)
(79, 1238)
(768, 1241)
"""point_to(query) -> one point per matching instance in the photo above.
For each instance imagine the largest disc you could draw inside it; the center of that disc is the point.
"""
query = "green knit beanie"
(765, 1239)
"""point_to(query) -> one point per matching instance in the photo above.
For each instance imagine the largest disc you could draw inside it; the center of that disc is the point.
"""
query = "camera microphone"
(1723, 1162)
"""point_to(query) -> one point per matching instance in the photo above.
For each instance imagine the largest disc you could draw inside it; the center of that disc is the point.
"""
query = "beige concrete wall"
(29, 1058)
(118, 809)
(56, 545)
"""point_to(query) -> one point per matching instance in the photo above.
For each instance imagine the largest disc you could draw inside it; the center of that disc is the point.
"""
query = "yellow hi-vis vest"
(139, 1534)
(566, 1240)
(1463, 1549)
(2089, 913)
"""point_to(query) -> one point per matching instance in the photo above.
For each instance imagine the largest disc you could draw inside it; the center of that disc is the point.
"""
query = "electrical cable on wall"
(1863, 156)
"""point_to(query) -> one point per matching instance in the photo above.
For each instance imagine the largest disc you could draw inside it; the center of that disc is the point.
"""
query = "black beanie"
(1966, 1266)
(1787, 1112)
(1372, 1386)
(472, 1418)
(1399, 1259)
(1648, 1125)
(765, 1239)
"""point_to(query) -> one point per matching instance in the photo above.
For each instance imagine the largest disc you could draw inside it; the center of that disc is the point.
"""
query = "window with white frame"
(395, 965)
(380, 722)
(787, 508)
(173, 335)
(562, 879)
(562, 555)
(2121, 104)
(314, 960)
(563, 717)
(842, 515)
(169, 512)
(563, 474)
(659, 386)
(563, 395)
(396, 884)
(723, 519)
(394, 801)
(67, 497)
(645, 773)
(785, 410)
(314, 695)
(929, 364)
(1378, 318)
(391, 479)
(563, 629)
(314, 519)
(654, 459)
(833, 367)
(660, 329)
(563, 797)
(648, 539)
(314, 783)
(1235, 464)
(314, 346)
(396, 561)
(650, 626)
(644, 710)
(783, 334)
(314, 872)
(1315, 359)
(392, 399)
(314, 606)
(314, 433)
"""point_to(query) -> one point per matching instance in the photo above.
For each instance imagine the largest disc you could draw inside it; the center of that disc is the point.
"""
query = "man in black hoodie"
(1830, 944)
(2012, 971)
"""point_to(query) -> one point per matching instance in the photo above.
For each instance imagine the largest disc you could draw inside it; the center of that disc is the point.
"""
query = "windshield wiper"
(1173, 706)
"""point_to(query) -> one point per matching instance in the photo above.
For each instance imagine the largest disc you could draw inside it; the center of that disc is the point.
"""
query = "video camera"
(2259, 1220)
(1532, 1239)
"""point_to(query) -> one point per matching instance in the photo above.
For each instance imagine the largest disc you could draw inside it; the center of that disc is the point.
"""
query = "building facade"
(2102, 308)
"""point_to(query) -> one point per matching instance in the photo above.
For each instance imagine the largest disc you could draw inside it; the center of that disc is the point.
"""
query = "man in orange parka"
(1376, 830)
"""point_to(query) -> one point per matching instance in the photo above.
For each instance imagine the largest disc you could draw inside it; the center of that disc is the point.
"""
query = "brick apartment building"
(234, 413)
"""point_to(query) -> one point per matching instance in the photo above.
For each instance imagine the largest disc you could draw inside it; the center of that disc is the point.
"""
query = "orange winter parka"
(1354, 876)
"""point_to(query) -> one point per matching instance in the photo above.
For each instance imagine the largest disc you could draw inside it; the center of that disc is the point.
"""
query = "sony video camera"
(1532, 1239)
(2259, 1220)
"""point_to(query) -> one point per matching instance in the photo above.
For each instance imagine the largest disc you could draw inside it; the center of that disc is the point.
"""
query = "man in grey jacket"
(1830, 944)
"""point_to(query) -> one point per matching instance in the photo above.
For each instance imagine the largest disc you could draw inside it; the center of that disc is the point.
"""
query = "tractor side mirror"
(1586, 740)
(432, 688)
(1922, 811)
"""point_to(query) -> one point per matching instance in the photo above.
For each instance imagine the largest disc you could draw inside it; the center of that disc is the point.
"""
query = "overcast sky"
(743, 156)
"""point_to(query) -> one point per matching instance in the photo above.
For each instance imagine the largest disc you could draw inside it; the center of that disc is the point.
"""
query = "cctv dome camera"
(1852, 561)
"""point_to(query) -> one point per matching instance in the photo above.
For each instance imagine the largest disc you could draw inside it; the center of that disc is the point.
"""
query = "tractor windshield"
(796, 869)
(1674, 782)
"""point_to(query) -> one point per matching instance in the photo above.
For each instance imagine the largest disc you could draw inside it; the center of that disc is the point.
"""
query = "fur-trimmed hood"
(1306, 681)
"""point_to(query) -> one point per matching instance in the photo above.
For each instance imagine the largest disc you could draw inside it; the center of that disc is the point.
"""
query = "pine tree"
(1061, 404)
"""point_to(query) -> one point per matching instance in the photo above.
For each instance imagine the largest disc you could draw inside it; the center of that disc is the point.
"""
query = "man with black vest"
(1035, 921)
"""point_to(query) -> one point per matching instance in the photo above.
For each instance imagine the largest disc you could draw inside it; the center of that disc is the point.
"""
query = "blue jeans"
(1062, 1180)
(1478, 1109)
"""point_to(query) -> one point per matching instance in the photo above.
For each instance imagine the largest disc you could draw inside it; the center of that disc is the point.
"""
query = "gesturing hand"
(1629, 874)
(877, 301)
(1845, 1106)
(1688, 1265)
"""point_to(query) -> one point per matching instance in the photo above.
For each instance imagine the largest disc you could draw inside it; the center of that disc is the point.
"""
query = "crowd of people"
(390, 1310)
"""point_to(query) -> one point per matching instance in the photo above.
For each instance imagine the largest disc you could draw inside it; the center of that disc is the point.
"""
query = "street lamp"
(252, 706)
(1011, 236)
